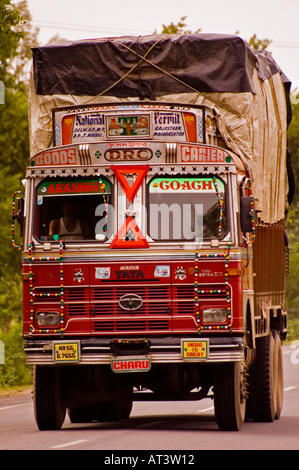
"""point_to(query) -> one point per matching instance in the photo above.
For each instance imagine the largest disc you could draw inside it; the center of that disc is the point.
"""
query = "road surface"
(183, 427)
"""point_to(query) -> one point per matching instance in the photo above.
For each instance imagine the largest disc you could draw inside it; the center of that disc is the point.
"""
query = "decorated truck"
(154, 250)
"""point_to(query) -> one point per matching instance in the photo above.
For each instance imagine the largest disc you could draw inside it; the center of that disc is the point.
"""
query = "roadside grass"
(293, 330)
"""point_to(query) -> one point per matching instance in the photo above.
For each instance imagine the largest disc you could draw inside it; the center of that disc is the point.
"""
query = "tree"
(9, 36)
(16, 39)
(259, 44)
(179, 28)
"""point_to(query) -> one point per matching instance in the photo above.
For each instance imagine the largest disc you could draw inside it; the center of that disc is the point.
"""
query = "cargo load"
(246, 90)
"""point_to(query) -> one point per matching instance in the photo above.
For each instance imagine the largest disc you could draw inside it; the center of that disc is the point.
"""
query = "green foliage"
(293, 328)
(14, 371)
(259, 44)
(293, 136)
(15, 40)
(14, 144)
(292, 280)
(11, 299)
(293, 228)
(179, 28)
(9, 37)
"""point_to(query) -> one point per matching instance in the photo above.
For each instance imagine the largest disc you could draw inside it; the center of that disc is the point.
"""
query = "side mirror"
(17, 214)
(247, 208)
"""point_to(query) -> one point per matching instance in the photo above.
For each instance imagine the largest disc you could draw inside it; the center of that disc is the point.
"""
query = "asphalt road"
(183, 427)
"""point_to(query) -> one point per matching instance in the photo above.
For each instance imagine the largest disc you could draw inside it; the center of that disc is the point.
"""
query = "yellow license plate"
(195, 349)
(66, 351)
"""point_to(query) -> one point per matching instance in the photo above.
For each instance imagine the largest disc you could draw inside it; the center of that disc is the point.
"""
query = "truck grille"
(102, 304)
(153, 315)
(156, 300)
(163, 308)
(131, 326)
(76, 301)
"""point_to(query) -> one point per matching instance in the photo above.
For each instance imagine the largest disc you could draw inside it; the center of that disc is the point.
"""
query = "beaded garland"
(106, 202)
(198, 291)
(33, 295)
(252, 218)
(220, 197)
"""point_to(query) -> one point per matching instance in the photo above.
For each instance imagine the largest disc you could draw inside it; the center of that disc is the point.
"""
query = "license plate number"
(195, 349)
(66, 352)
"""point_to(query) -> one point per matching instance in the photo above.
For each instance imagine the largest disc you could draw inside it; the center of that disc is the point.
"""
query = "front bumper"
(99, 351)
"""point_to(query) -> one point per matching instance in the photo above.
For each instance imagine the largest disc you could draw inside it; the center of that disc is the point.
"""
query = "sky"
(276, 20)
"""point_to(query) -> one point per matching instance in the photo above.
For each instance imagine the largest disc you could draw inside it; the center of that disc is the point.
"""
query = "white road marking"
(67, 444)
(206, 409)
(14, 406)
(287, 389)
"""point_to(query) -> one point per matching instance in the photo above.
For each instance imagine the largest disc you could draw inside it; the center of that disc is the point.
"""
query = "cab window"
(186, 208)
(73, 209)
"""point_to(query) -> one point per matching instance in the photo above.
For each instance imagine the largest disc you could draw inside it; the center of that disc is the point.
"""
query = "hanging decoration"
(129, 236)
(252, 210)
(199, 291)
(106, 202)
(121, 171)
(220, 197)
(252, 216)
(33, 295)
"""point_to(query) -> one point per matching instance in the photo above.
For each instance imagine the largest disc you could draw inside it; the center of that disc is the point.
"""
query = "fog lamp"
(214, 315)
(48, 318)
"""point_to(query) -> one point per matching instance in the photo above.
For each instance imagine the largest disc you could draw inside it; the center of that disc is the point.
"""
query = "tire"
(263, 381)
(48, 405)
(229, 396)
(126, 409)
(279, 376)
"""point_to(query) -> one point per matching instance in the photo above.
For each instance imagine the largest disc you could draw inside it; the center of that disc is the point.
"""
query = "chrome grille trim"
(171, 152)
(84, 154)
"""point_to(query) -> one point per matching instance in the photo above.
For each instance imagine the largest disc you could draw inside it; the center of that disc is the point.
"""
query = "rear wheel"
(229, 396)
(126, 409)
(48, 404)
(279, 376)
(263, 380)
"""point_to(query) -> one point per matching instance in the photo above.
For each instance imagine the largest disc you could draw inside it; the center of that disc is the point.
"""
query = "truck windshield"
(186, 208)
(73, 209)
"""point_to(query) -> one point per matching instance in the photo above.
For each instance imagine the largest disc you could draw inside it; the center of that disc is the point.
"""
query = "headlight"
(48, 318)
(214, 315)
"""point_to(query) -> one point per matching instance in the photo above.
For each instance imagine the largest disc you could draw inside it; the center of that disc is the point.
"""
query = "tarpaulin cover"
(246, 89)
(203, 62)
